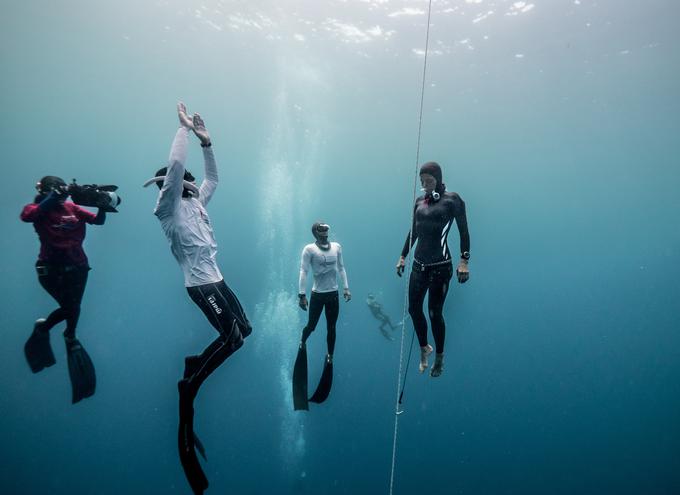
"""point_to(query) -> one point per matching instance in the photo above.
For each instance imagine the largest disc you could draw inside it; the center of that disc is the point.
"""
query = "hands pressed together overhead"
(194, 123)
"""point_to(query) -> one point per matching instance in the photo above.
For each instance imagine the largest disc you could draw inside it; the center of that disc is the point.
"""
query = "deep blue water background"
(557, 122)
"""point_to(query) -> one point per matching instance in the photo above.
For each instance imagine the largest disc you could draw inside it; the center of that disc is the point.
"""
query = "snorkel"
(190, 187)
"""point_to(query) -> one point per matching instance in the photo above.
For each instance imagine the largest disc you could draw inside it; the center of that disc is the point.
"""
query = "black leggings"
(66, 284)
(317, 302)
(435, 280)
(224, 312)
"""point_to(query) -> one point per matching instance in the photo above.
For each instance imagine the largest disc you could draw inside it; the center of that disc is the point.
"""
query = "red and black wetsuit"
(62, 265)
(432, 266)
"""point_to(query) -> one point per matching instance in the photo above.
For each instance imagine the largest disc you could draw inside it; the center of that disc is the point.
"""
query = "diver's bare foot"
(200, 130)
(424, 352)
(438, 366)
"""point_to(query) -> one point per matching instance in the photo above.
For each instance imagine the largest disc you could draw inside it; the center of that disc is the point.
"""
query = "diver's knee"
(235, 335)
(435, 311)
(73, 310)
(246, 329)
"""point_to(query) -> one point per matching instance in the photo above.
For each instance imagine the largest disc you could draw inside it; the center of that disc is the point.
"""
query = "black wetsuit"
(66, 284)
(317, 302)
(225, 314)
(432, 265)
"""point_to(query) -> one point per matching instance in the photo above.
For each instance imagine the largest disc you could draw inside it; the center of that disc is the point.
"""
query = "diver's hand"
(184, 119)
(347, 295)
(200, 130)
(61, 192)
(462, 271)
(302, 302)
(400, 265)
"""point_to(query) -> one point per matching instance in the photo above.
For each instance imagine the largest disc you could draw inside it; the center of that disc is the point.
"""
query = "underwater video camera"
(103, 197)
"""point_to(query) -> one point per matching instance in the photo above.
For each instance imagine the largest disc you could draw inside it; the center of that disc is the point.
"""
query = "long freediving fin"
(38, 350)
(188, 443)
(80, 370)
(300, 380)
(325, 383)
(199, 446)
(187, 456)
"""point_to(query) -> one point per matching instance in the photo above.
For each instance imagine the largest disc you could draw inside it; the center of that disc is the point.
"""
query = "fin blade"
(323, 390)
(199, 446)
(81, 371)
(300, 380)
(38, 351)
(186, 440)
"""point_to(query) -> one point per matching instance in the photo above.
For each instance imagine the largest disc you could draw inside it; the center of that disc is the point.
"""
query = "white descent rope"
(397, 410)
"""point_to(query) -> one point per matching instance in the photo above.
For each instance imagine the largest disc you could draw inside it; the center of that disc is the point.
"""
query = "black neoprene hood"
(435, 171)
(50, 182)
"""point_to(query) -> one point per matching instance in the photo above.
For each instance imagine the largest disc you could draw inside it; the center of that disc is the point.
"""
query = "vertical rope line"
(397, 412)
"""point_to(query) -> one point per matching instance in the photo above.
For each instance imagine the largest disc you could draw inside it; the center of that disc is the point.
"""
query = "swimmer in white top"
(324, 258)
(181, 209)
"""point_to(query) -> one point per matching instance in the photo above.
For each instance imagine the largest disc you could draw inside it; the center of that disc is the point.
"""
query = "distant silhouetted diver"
(377, 312)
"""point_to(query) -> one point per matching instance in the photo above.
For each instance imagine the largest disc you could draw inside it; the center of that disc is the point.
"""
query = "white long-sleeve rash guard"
(325, 265)
(185, 221)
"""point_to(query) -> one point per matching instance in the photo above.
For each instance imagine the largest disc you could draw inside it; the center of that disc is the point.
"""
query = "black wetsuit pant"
(225, 313)
(435, 280)
(66, 284)
(317, 302)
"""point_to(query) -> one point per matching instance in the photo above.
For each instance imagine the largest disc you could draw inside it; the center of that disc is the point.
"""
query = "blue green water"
(557, 122)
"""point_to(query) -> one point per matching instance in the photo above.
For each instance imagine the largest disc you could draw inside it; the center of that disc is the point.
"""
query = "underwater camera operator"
(62, 269)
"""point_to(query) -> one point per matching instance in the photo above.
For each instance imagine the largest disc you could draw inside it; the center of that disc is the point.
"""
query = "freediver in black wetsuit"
(377, 312)
(433, 214)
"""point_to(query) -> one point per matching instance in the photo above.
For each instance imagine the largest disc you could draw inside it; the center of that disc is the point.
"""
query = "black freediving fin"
(199, 446)
(300, 380)
(324, 388)
(80, 370)
(188, 443)
(38, 350)
(187, 456)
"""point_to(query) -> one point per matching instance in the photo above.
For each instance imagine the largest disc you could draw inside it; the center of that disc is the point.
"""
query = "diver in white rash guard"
(185, 222)
(324, 258)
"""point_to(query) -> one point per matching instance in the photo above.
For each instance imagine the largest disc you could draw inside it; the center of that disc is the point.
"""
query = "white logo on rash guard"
(68, 222)
(213, 303)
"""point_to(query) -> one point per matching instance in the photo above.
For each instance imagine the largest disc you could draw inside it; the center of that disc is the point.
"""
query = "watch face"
(465, 255)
